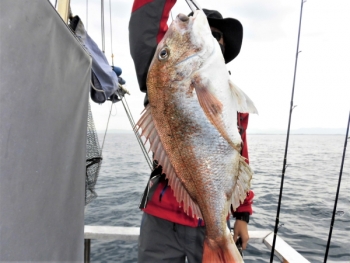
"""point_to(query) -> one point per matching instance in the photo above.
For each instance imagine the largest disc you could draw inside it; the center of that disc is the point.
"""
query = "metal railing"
(283, 251)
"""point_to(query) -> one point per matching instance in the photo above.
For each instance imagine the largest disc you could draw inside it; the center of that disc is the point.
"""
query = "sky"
(264, 69)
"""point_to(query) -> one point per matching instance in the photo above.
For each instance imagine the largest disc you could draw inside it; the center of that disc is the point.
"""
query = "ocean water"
(309, 192)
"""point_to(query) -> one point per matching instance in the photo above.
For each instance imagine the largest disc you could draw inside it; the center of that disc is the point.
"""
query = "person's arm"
(147, 26)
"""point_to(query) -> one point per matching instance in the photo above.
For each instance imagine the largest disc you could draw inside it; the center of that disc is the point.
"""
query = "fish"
(190, 125)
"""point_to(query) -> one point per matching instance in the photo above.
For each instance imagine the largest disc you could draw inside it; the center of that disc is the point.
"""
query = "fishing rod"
(337, 194)
(287, 140)
(121, 92)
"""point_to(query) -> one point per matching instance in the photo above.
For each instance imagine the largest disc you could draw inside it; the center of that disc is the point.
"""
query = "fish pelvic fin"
(242, 185)
(244, 103)
(150, 133)
(227, 252)
(212, 108)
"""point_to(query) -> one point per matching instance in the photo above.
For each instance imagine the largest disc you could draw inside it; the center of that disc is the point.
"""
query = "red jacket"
(147, 26)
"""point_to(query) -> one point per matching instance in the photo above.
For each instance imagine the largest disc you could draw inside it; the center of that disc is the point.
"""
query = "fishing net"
(93, 159)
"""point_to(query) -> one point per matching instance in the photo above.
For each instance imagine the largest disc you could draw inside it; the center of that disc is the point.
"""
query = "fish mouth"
(183, 21)
(187, 24)
(183, 17)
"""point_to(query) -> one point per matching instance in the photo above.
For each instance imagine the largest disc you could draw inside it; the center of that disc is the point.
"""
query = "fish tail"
(227, 253)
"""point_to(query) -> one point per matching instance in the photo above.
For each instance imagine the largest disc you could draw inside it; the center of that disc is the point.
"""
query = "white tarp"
(44, 85)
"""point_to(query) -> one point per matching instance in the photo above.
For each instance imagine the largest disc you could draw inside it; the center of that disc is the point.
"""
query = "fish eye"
(164, 54)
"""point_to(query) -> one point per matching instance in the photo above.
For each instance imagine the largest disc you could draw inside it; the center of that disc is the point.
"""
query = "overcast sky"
(264, 69)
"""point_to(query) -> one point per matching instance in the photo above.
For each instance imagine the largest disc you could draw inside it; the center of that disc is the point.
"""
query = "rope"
(110, 21)
(70, 13)
(125, 104)
(87, 14)
(103, 25)
(92, 85)
(104, 137)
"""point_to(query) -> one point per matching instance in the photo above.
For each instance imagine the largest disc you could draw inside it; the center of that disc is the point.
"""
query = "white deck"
(282, 250)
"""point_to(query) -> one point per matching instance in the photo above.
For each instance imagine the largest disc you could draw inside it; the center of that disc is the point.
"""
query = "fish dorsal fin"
(212, 108)
(149, 131)
(244, 103)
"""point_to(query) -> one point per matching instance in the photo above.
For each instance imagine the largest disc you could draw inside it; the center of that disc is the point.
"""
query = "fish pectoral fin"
(209, 103)
(212, 108)
(242, 183)
(244, 103)
(149, 131)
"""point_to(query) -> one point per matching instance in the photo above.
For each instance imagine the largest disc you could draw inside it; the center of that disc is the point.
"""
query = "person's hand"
(241, 230)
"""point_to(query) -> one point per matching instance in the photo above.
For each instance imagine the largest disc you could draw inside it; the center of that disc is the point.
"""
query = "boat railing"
(283, 251)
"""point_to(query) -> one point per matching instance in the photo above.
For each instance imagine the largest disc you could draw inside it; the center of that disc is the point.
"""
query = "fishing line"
(287, 141)
(337, 194)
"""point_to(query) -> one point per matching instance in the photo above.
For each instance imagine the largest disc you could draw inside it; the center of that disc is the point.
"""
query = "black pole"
(336, 197)
(87, 245)
(287, 141)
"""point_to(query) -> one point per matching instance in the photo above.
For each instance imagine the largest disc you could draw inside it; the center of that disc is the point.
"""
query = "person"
(167, 234)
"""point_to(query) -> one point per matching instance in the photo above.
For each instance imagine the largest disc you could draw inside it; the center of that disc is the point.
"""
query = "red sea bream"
(191, 125)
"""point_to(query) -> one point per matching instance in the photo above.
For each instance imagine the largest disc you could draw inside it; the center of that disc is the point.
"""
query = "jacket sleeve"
(147, 26)
(242, 118)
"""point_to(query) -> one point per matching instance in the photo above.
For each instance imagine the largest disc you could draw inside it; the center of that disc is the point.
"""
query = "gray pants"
(162, 241)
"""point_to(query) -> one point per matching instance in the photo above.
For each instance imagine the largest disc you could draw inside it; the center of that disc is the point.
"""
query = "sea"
(309, 193)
